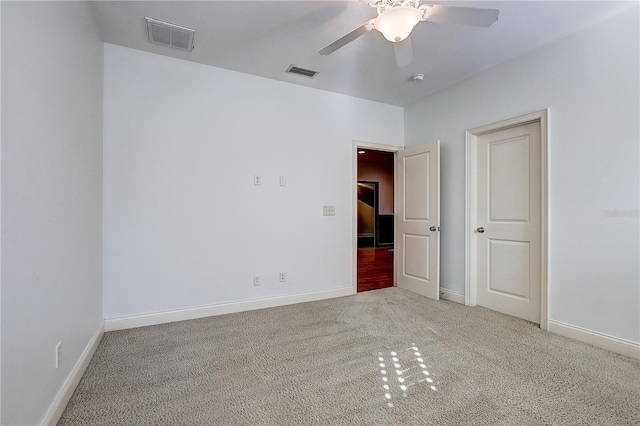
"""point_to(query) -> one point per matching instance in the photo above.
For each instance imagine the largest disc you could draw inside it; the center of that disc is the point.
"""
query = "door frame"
(471, 207)
(356, 145)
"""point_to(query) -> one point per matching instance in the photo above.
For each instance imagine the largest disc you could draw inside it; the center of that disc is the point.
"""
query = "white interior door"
(418, 227)
(509, 221)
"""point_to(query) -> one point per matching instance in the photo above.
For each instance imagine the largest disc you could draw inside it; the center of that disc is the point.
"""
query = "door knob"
(433, 229)
(480, 230)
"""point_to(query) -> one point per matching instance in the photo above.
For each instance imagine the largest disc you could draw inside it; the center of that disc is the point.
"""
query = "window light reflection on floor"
(409, 369)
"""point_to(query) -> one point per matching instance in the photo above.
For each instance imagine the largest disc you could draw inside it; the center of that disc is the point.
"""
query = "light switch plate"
(329, 210)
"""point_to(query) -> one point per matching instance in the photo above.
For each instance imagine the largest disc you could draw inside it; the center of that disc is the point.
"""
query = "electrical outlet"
(256, 280)
(257, 180)
(283, 277)
(329, 210)
(58, 354)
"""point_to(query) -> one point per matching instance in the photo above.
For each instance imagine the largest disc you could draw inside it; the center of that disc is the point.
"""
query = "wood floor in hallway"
(375, 268)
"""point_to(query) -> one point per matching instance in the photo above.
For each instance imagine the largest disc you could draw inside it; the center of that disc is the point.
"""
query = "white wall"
(184, 225)
(51, 199)
(590, 82)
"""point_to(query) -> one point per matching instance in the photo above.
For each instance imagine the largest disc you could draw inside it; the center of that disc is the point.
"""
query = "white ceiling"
(264, 37)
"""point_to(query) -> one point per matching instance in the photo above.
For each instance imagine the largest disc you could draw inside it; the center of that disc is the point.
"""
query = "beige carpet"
(380, 357)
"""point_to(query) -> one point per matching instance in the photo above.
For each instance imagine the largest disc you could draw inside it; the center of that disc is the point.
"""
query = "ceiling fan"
(396, 19)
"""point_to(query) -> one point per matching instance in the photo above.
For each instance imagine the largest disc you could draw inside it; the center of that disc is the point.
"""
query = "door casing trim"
(471, 207)
(354, 197)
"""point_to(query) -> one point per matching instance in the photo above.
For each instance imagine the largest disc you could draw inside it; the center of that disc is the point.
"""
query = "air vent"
(301, 71)
(170, 35)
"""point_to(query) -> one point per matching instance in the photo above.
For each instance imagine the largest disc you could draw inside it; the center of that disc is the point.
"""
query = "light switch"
(329, 210)
(283, 181)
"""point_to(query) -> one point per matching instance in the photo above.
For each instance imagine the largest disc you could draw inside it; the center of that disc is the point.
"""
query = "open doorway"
(375, 219)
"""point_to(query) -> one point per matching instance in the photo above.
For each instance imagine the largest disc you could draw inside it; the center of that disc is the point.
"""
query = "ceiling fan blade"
(348, 38)
(461, 15)
(404, 52)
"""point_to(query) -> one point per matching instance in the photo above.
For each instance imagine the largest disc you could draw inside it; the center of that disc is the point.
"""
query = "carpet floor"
(380, 357)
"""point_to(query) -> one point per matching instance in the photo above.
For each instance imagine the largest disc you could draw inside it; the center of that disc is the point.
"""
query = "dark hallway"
(375, 219)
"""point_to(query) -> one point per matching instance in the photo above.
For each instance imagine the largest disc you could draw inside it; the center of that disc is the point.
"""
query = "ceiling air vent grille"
(170, 35)
(301, 71)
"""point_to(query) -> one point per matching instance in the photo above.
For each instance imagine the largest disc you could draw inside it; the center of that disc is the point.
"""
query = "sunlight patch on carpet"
(401, 370)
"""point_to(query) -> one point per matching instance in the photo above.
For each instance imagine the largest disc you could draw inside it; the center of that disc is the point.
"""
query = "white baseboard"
(601, 340)
(62, 399)
(452, 296)
(133, 321)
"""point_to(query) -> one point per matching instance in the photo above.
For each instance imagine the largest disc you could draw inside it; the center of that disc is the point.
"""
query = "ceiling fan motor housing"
(384, 5)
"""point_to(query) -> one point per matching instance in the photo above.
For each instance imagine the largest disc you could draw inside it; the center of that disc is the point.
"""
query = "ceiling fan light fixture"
(396, 23)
